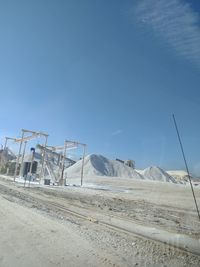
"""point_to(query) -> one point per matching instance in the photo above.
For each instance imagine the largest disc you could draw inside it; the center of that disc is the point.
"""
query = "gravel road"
(34, 232)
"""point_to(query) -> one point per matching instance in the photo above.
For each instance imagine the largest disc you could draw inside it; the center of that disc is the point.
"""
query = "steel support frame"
(25, 139)
(83, 158)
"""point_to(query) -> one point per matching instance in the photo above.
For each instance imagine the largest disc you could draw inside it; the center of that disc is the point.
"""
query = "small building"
(130, 163)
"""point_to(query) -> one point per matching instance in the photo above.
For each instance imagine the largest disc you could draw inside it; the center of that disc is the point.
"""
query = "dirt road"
(38, 229)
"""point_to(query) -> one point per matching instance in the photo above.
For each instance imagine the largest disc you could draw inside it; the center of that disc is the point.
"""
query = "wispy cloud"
(175, 21)
(117, 132)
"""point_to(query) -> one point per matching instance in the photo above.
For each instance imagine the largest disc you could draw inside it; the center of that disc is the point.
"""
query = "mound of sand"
(182, 176)
(157, 174)
(97, 165)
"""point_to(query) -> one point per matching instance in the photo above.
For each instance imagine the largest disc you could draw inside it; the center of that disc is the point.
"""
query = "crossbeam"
(70, 146)
(27, 138)
(10, 138)
(33, 132)
(74, 142)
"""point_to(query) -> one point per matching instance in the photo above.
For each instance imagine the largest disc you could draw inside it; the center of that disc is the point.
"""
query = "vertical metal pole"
(63, 164)
(186, 165)
(22, 161)
(17, 162)
(43, 158)
(31, 167)
(5, 143)
(84, 146)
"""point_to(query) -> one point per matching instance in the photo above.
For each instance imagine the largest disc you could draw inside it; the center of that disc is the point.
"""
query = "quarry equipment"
(53, 159)
(130, 163)
(62, 158)
(23, 140)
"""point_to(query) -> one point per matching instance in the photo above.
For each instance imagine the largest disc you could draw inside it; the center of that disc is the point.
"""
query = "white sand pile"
(157, 174)
(179, 175)
(97, 165)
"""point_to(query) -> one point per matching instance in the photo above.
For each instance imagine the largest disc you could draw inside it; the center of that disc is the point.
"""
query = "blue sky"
(107, 73)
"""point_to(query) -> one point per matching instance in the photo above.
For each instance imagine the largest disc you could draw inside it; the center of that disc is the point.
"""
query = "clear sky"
(107, 73)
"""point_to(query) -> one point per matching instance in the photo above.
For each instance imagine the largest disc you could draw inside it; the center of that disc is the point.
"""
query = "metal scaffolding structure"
(23, 141)
(4, 151)
(49, 154)
(67, 142)
(6, 141)
(62, 157)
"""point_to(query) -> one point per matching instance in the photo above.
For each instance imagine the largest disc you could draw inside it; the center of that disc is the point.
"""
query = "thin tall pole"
(17, 162)
(63, 164)
(5, 145)
(43, 158)
(82, 164)
(22, 161)
(31, 167)
(186, 165)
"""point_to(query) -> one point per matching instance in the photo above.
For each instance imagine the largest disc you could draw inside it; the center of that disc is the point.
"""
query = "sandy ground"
(29, 239)
(36, 233)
